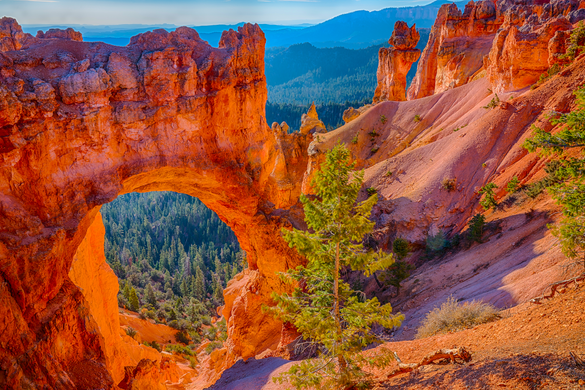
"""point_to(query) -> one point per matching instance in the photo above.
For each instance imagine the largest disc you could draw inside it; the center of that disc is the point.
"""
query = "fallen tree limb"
(557, 285)
(452, 355)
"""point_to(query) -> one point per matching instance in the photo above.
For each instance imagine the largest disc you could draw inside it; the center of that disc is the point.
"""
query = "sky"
(187, 12)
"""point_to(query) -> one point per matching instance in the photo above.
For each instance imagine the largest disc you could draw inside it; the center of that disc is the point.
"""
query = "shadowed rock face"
(80, 124)
(395, 62)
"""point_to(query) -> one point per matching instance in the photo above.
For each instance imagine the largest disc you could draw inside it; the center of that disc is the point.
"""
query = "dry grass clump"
(453, 316)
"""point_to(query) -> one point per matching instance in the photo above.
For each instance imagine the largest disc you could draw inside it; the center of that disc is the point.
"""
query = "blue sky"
(187, 12)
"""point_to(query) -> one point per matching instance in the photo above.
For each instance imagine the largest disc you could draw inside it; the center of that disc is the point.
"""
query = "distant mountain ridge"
(355, 30)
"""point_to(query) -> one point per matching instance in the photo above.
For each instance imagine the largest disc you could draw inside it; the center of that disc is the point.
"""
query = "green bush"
(493, 103)
(396, 274)
(131, 332)
(576, 42)
(476, 225)
(181, 337)
(401, 248)
(488, 201)
(417, 118)
(371, 191)
(354, 140)
(179, 349)
(153, 344)
(437, 242)
(375, 149)
(383, 119)
(453, 316)
(213, 346)
(513, 185)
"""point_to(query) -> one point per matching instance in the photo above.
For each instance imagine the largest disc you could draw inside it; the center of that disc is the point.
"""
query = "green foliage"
(453, 316)
(449, 184)
(576, 42)
(388, 174)
(436, 243)
(373, 134)
(566, 177)
(476, 225)
(493, 103)
(213, 346)
(325, 309)
(133, 301)
(179, 349)
(417, 118)
(513, 185)
(401, 248)
(153, 344)
(488, 200)
(383, 119)
(396, 274)
(354, 140)
(553, 70)
(375, 149)
(371, 191)
(131, 332)
(181, 337)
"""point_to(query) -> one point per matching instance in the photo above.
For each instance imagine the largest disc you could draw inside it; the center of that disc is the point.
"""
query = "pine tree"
(126, 291)
(150, 297)
(133, 301)
(199, 288)
(323, 307)
(569, 189)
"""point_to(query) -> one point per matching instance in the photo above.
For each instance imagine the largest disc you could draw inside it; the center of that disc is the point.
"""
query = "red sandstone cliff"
(395, 62)
(81, 123)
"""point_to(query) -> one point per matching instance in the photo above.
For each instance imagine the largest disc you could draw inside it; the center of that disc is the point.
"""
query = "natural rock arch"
(80, 124)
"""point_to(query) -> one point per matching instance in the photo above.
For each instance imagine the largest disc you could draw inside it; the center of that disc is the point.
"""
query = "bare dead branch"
(557, 285)
(451, 355)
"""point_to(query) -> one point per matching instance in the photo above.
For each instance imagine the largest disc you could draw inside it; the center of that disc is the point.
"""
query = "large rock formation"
(395, 62)
(507, 40)
(456, 46)
(531, 39)
(310, 122)
(81, 123)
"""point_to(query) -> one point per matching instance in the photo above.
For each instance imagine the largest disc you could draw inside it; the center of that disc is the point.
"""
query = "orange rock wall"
(81, 123)
(395, 62)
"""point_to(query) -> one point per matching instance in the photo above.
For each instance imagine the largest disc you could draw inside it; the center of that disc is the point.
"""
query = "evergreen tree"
(126, 291)
(569, 187)
(199, 288)
(150, 297)
(133, 301)
(323, 307)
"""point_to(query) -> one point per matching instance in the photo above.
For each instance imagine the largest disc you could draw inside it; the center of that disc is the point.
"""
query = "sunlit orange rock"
(310, 122)
(521, 54)
(395, 62)
(456, 46)
(81, 124)
(56, 33)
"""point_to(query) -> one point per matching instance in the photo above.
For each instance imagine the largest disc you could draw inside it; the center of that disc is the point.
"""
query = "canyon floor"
(528, 348)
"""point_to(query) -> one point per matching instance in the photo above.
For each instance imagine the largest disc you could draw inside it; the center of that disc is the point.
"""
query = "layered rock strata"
(80, 124)
(456, 47)
(395, 62)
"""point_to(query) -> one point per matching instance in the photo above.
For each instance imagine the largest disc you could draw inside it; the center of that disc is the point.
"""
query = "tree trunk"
(340, 358)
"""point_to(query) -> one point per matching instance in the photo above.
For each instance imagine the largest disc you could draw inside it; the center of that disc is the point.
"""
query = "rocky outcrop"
(11, 35)
(395, 62)
(456, 46)
(532, 39)
(56, 33)
(151, 375)
(352, 113)
(81, 124)
(310, 122)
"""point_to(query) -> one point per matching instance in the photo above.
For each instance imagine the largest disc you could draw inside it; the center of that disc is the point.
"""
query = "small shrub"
(449, 184)
(436, 243)
(453, 316)
(484, 165)
(456, 129)
(401, 248)
(576, 42)
(553, 70)
(488, 201)
(371, 191)
(383, 119)
(495, 102)
(396, 274)
(192, 361)
(373, 133)
(179, 349)
(154, 345)
(513, 185)
(476, 225)
(375, 149)
(417, 118)
(213, 346)
(388, 174)
(354, 140)
(131, 332)
(182, 337)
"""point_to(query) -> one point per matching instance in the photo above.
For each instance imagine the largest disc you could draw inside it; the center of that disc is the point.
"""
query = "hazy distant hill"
(359, 29)
(303, 73)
